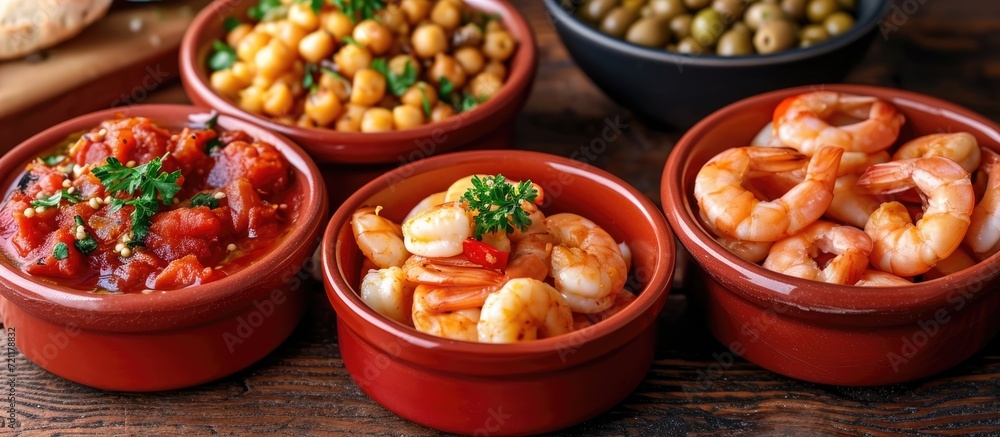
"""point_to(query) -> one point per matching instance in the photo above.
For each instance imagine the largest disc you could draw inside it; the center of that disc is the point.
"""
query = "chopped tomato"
(484, 254)
(260, 163)
(133, 272)
(73, 265)
(182, 272)
(240, 198)
(177, 233)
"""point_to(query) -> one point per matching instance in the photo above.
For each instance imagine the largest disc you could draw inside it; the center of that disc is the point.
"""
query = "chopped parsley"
(223, 56)
(54, 200)
(148, 187)
(398, 84)
(204, 199)
(498, 204)
(88, 244)
(60, 251)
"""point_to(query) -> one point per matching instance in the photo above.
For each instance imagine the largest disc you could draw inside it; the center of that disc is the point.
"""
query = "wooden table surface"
(948, 49)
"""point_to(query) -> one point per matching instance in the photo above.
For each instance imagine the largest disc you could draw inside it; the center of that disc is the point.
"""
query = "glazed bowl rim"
(86, 310)
(657, 285)
(802, 294)
(595, 37)
(518, 81)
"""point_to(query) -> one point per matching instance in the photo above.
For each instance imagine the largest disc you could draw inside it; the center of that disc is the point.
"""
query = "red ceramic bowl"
(173, 339)
(820, 332)
(530, 387)
(388, 147)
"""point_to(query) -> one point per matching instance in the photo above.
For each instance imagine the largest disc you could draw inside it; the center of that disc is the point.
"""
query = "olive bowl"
(676, 90)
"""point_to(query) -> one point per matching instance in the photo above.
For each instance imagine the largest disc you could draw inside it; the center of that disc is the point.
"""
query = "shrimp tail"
(444, 299)
(886, 178)
(775, 159)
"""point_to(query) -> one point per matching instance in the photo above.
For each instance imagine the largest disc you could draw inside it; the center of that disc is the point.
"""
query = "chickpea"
(273, 59)
(485, 85)
(498, 69)
(306, 122)
(293, 80)
(350, 120)
(469, 35)
(447, 15)
(374, 36)
(429, 40)
(415, 95)
(323, 107)
(471, 59)
(338, 24)
(244, 72)
(351, 59)
(339, 87)
(441, 112)
(248, 47)
(236, 35)
(316, 46)
(224, 82)
(415, 10)
(369, 87)
(278, 100)
(397, 64)
(252, 100)
(393, 18)
(290, 33)
(447, 67)
(499, 45)
(493, 26)
(303, 16)
(407, 117)
(377, 120)
(262, 82)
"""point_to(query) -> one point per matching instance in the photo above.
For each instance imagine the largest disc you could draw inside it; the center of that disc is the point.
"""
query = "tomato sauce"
(64, 223)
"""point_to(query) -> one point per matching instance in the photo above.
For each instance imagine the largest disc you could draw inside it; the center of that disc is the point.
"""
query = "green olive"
(838, 23)
(634, 5)
(594, 10)
(667, 8)
(649, 32)
(680, 26)
(741, 26)
(695, 5)
(689, 46)
(818, 10)
(760, 13)
(707, 26)
(731, 10)
(775, 36)
(735, 42)
(813, 34)
(617, 22)
(796, 9)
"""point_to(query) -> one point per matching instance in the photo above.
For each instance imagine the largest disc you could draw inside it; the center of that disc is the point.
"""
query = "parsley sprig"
(223, 56)
(498, 204)
(148, 187)
(53, 200)
(366, 8)
(398, 83)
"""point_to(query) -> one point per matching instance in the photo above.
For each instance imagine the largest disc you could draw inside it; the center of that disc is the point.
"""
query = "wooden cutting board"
(119, 60)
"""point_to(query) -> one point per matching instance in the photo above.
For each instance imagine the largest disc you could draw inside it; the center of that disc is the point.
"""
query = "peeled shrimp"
(425, 204)
(960, 147)
(379, 239)
(530, 257)
(738, 213)
(983, 236)
(855, 123)
(752, 251)
(902, 247)
(524, 309)
(958, 260)
(438, 231)
(388, 293)
(456, 325)
(794, 255)
(850, 204)
(456, 283)
(587, 265)
(878, 278)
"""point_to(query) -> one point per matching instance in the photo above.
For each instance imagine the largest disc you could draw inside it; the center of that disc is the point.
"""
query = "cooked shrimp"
(855, 123)
(379, 238)
(524, 309)
(958, 260)
(626, 254)
(388, 293)
(537, 225)
(983, 236)
(587, 265)
(752, 251)
(530, 257)
(438, 231)
(960, 147)
(623, 299)
(737, 213)
(902, 247)
(456, 325)
(850, 204)
(766, 138)
(429, 201)
(878, 278)
(457, 283)
(858, 162)
(795, 255)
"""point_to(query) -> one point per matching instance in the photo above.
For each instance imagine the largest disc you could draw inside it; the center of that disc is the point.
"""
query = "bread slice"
(30, 25)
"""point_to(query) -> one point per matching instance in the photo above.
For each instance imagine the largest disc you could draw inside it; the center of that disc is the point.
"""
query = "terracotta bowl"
(530, 387)
(179, 338)
(820, 332)
(327, 145)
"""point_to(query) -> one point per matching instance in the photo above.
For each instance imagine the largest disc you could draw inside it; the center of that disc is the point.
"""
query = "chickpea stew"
(132, 207)
(361, 65)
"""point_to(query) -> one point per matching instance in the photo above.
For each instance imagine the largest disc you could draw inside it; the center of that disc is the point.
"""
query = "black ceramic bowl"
(678, 90)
